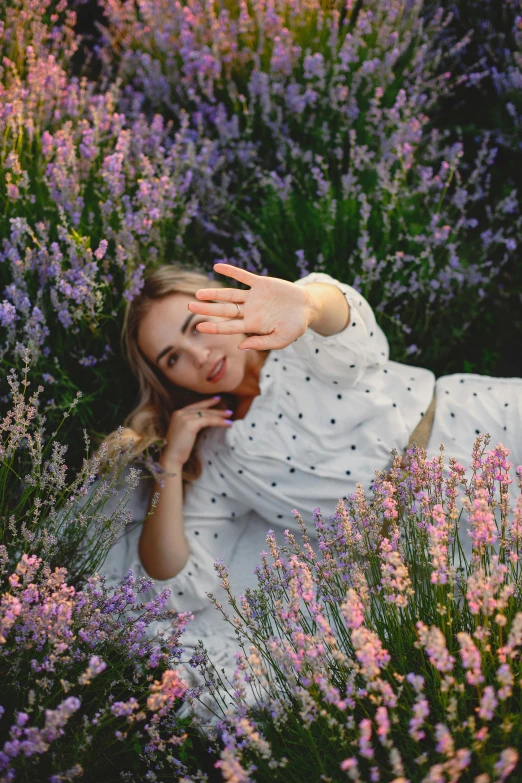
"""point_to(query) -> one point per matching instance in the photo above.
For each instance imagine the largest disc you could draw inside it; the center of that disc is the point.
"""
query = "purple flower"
(7, 313)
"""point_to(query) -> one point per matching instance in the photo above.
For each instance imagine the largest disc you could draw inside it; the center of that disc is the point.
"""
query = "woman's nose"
(201, 356)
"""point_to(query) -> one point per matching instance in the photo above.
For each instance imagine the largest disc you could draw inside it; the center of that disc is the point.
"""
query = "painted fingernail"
(229, 412)
(228, 421)
(217, 397)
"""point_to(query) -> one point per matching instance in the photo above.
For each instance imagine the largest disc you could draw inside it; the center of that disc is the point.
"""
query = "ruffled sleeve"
(213, 520)
(344, 356)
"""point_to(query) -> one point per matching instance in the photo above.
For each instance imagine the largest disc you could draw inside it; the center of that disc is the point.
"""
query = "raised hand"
(274, 312)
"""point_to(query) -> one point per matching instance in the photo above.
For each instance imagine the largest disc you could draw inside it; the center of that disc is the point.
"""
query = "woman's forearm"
(163, 546)
(329, 311)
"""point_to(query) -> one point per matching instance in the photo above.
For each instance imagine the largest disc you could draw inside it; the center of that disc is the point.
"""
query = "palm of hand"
(274, 311)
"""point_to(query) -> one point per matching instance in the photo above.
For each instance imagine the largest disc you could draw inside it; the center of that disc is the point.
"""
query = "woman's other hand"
(274, 312)
(185, 423)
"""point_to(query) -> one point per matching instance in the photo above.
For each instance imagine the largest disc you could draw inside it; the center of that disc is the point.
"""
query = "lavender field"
(379, 141)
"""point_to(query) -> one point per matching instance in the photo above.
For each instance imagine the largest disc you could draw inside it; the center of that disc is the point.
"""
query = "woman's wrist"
(328, 311)
(171, 465)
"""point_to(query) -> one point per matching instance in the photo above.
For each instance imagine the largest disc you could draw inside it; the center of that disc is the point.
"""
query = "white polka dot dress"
(329, 413)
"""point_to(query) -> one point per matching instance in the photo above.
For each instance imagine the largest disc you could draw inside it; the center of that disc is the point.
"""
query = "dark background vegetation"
(491, 346)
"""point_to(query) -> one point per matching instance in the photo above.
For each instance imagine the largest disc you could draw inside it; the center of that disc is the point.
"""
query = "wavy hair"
(148, 423)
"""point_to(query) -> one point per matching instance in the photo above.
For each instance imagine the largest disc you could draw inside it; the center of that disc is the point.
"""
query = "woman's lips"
(221, 372)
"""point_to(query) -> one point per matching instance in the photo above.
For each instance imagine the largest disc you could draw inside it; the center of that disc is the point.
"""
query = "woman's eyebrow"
(183, 330)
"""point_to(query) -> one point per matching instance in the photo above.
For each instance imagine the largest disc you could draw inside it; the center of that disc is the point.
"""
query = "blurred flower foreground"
(90, 687)
(283, 137)
(387, 657)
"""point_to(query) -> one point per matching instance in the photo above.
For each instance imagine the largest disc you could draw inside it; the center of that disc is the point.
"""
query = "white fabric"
(329, 413)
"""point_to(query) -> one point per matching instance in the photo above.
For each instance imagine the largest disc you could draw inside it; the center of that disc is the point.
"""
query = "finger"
(220, 295)
(207, 403)
(233, 271)
(205, 415)
(269, 342)
(248, 345)
(228, 310)
(211, 413)
(233, 326)
(211, 421)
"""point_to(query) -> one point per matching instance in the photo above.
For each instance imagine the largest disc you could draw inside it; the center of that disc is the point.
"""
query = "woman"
(314, 407)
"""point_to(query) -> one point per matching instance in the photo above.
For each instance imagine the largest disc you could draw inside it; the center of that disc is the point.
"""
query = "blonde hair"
(147, 424)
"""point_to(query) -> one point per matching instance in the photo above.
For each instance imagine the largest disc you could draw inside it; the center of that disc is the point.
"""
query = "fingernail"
(217, 397)
(245, 349)
(228, 421)
(229, 412)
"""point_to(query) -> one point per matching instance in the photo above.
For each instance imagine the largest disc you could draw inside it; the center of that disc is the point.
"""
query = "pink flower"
(365, 748)
(444, 739)
(483, 531)
(506, 763)
(482, 589)
(244, 728)
(416, 681)
(450, 770)
(438, 545)
(125, 708)
(231, 767)
(471, 659)
(389, 503)
(395, 576)
(421, 710)
(435, 644)
(369, 652)
(488, 703)
(164, 693)
(95, 667)
(99, 253)
(383, 724)
(302, 579)
(13, 191)
(506, 680)
(10, 609)
(352, 609)
(495, 462)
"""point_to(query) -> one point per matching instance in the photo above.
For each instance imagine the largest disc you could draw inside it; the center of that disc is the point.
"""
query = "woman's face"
(168, 337)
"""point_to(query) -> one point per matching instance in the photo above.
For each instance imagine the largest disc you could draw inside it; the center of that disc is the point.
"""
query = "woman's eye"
(175, 355)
